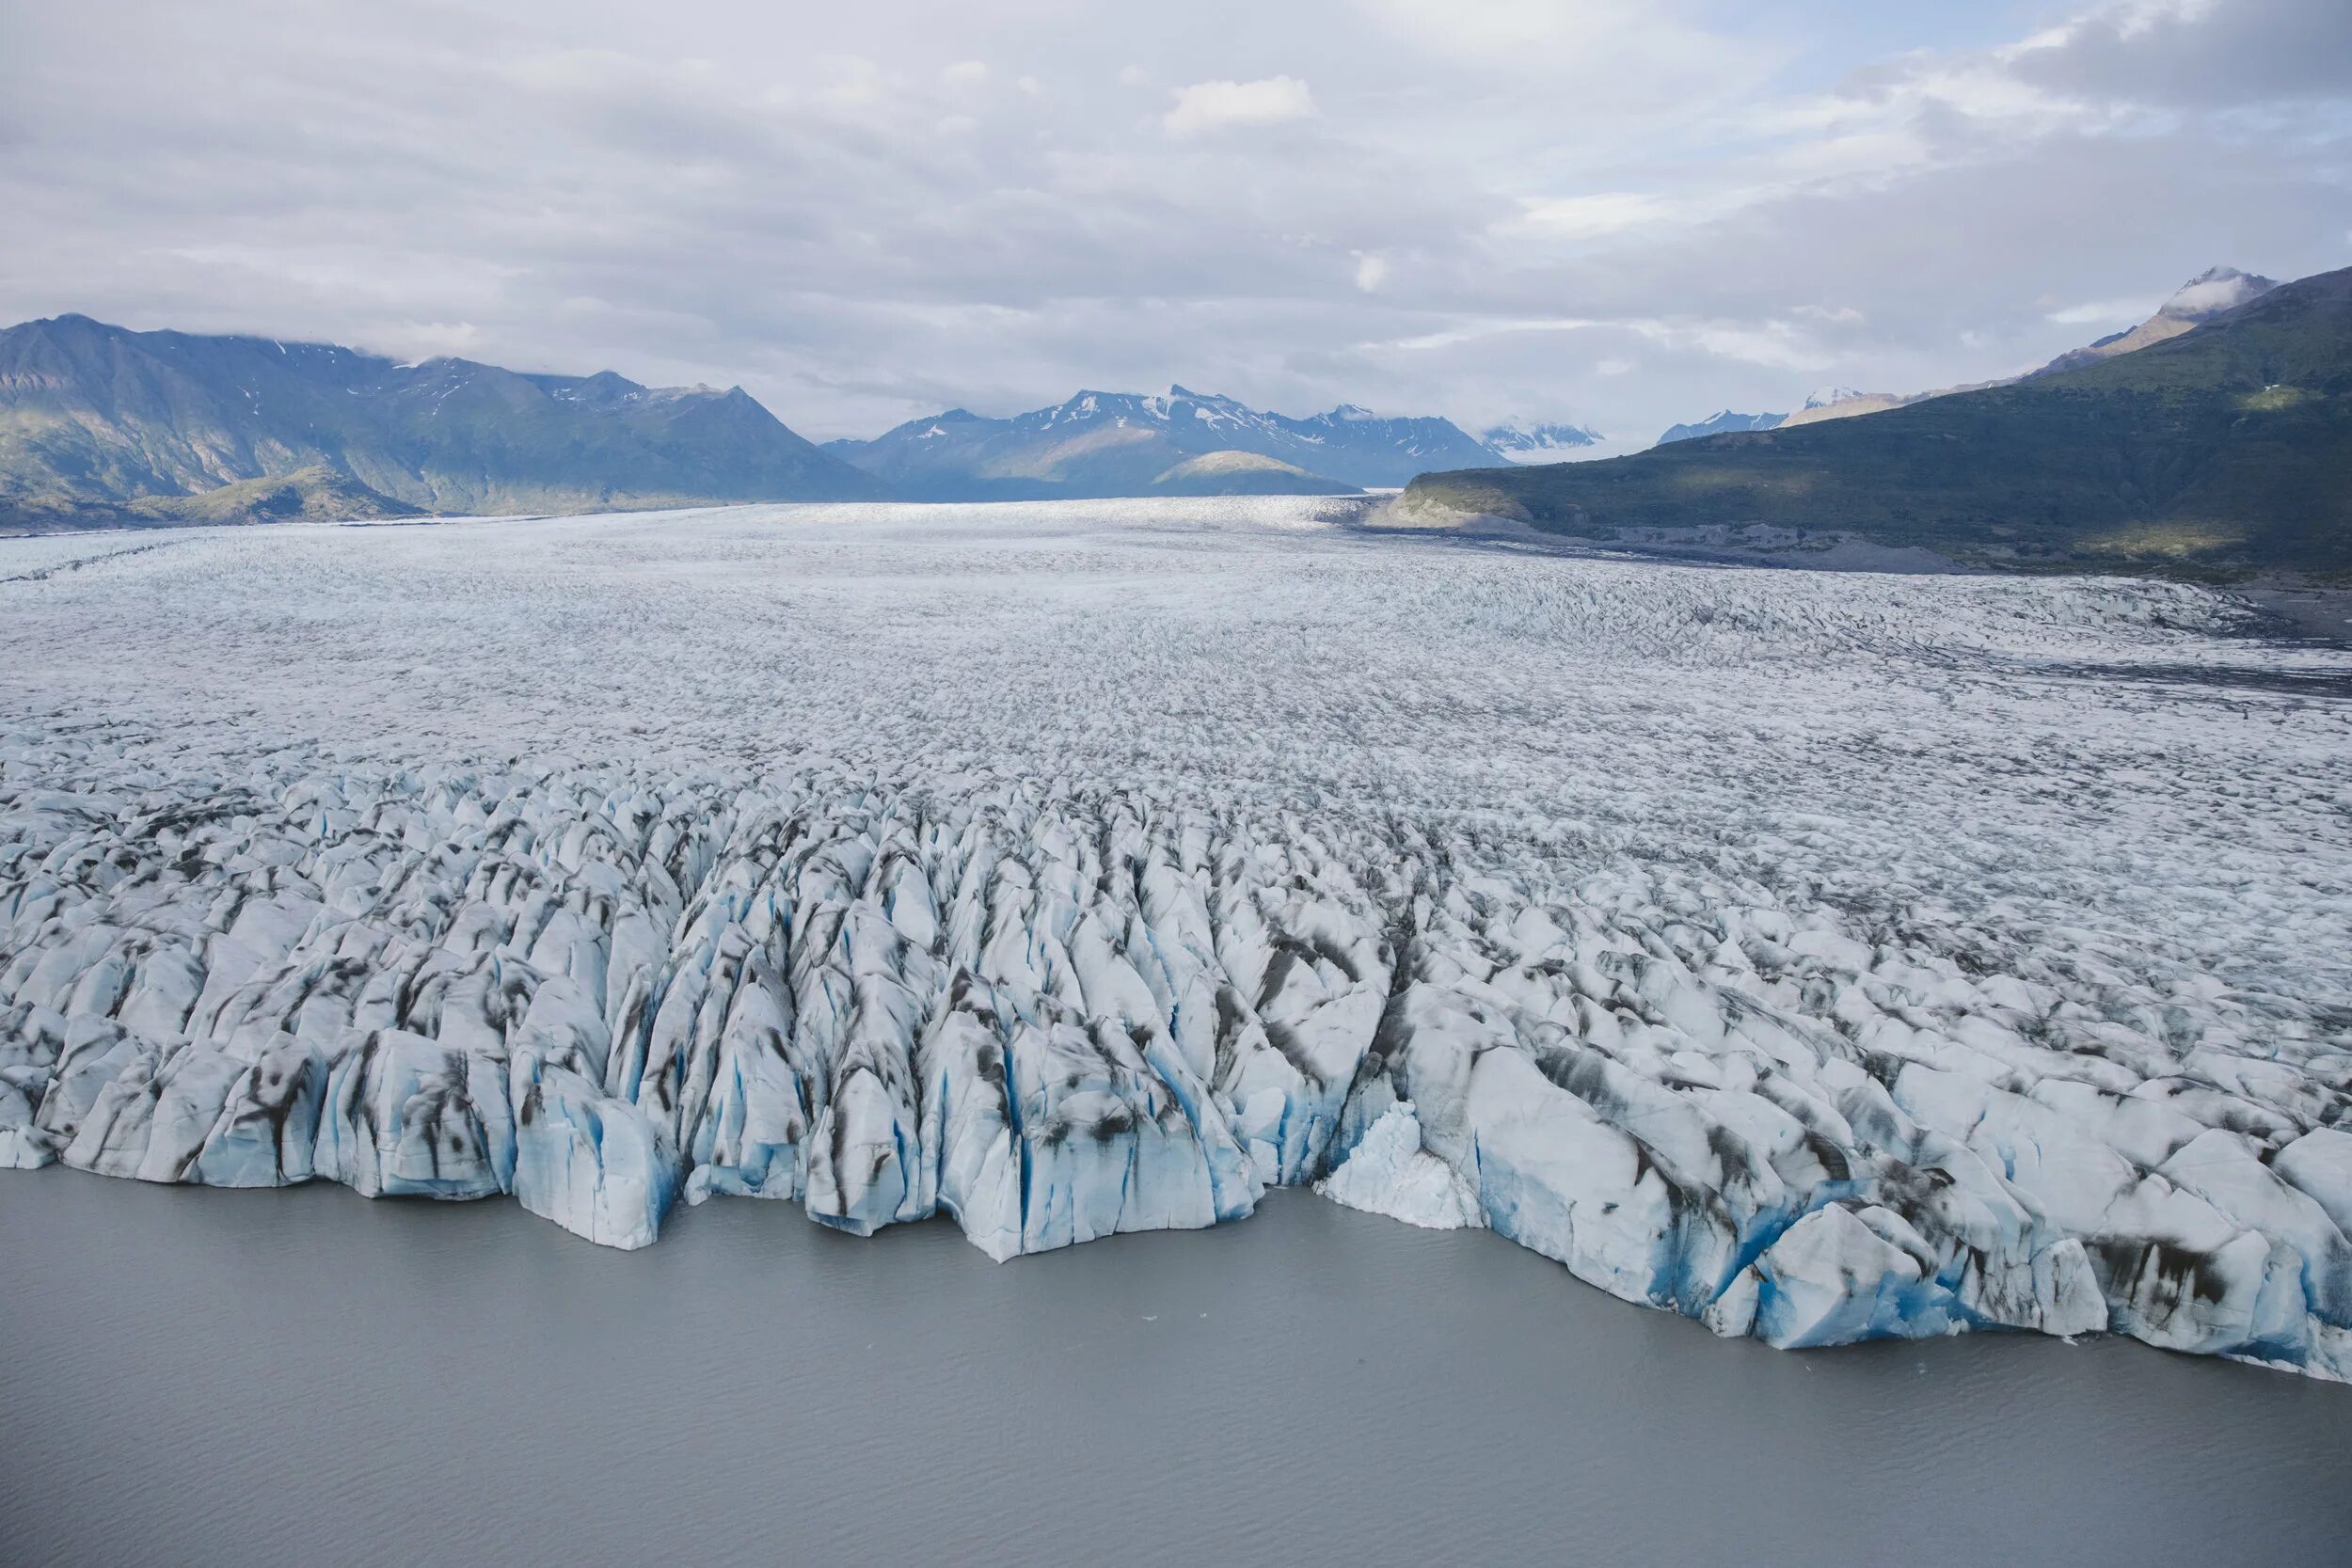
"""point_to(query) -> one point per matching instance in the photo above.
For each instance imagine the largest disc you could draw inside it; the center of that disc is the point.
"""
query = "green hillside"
(309, 495)
(2223, 450)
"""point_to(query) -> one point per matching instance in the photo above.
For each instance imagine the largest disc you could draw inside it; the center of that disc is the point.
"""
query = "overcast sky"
(1622, 212)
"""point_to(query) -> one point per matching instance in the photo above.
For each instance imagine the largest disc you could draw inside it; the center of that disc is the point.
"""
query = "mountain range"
(2213, 436)
(102, 426)
(1176, 443)
(2222, 447)
(99, 424)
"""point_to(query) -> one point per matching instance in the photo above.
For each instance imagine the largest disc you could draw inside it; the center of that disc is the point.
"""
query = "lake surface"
(203, 1377)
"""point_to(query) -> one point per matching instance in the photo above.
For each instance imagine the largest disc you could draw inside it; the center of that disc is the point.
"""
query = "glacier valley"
(1822, 957)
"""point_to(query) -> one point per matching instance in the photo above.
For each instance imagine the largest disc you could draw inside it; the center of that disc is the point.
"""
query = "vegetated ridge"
(2222, 449)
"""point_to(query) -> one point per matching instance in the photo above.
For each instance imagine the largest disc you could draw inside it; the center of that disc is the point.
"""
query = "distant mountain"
(1519, 442)
(1715, 424)
(2199, 300)
(1244, 473)
(1844, 402)
(95, 420)
(1124, 443)
(2222, 449)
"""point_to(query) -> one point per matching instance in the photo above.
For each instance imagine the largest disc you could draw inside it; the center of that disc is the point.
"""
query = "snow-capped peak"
(1528, 441)
(1828, 396)
(2213, 291)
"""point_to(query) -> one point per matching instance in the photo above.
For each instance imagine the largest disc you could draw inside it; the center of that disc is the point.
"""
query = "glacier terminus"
(1822, 958)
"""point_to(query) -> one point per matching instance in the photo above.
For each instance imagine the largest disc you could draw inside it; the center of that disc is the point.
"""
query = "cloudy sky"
(1623, 211)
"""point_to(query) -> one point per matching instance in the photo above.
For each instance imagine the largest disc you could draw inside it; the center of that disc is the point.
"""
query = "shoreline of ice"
(1781, 951)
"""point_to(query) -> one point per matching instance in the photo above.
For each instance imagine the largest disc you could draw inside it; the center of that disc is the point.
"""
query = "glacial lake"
(200, 1377)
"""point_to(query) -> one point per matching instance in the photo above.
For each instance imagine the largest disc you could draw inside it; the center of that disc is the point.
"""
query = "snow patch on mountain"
(1716, 424)
(1118, 443)
(1521, 441)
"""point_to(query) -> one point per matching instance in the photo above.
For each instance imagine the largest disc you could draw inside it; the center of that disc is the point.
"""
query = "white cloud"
(1216, 106)
(1773, 343)
(435, 340)
(1617, 49)
(1612, 367)
(2102, 311)
(857, 82)
(1370, 272)
(1582, 217)
(1485, 25)
(1470, 331)
(2215, 296)
(964, 74)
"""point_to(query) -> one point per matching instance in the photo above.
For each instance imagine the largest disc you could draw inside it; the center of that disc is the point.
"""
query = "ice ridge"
(1058, 1013)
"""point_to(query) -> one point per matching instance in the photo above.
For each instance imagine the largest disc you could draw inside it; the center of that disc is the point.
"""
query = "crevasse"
(1058, 1015)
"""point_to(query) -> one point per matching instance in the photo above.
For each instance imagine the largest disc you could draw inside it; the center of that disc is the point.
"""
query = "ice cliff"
(1058, 1017)
(1822, 960)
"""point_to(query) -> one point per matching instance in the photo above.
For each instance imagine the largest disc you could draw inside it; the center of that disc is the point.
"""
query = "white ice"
(1822, 957)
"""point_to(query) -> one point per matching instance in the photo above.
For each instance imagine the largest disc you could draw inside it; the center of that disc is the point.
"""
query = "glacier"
(1821, 957)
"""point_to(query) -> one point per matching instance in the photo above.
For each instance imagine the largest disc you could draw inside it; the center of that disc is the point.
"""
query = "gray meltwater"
(298, 1376)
